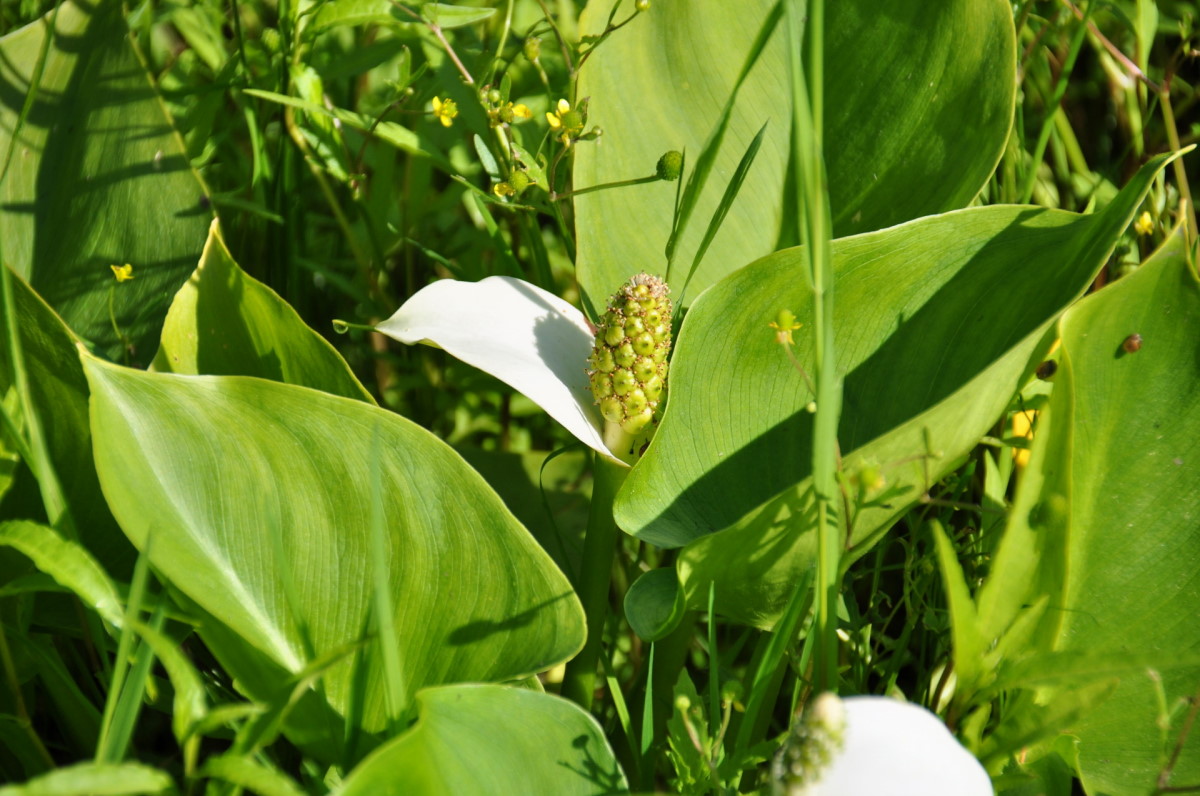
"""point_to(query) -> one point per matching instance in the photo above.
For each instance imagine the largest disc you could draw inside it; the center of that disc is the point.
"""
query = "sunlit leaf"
(492, 739)
(914, 124)
(253, 500)
(98, 177)
(225, 323)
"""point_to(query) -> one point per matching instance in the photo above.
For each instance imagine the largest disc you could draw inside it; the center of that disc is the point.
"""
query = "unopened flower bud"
(533, 48)
(670, 166)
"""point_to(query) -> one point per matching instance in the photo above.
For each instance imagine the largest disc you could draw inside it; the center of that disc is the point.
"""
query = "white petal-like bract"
(525, 336)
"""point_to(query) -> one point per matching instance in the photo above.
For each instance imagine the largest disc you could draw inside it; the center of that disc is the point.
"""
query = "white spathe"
(527, 337)
(894, 748)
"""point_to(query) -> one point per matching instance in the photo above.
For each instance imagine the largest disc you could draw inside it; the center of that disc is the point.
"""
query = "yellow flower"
(1144, 225)
(123, 273)
(784, 324)
(444, 111)
(567, 120)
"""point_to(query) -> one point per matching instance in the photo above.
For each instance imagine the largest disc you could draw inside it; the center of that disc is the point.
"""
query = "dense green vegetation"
(928, 430)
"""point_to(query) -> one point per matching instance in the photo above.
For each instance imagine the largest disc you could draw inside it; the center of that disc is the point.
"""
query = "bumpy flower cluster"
(811, 746)
(629, 361)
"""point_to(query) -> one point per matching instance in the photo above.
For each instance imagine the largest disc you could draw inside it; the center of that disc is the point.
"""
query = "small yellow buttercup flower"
(444, 110)
(123, 273)
(515, 110)
(784, 324)
(1144, 225)
(567, 120)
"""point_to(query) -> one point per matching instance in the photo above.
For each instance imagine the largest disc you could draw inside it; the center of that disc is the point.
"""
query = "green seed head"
(669, 166)
(629, 361)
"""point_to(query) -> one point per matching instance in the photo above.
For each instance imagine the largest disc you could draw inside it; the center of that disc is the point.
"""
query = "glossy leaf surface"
(225, 323)
(1106, 524)
(492, 739)
(914, 124)
(254, 500)
(98, 177)
(936, 321)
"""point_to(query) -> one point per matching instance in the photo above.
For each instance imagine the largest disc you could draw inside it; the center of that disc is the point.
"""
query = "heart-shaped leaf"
(936, 323)
(254, 500)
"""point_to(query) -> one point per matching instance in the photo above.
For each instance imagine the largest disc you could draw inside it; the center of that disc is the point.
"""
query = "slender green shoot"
(109, 748)
(815, 228)
(599, 547)
(1060, 88)
(727, 200)
(690, 196)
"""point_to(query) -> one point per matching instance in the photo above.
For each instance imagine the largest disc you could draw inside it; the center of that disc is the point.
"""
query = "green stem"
(599, 547)
(1181, 180)
(1039, 150)
(815, 228)
(604, 185)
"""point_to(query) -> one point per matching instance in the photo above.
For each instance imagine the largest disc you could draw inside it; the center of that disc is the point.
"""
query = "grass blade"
(708, 155)
(727, 200)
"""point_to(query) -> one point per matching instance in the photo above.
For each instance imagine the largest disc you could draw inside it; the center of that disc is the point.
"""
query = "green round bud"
(670, 166)
(625, 355)
(603, 360)
(644, 368)
(653, 387)
(660, 354)
(615, 333)
(731, 691)
(653, 317)
(612, 410)
(623, 382)
(635, 402)
(533, 48)
(519, 180)
(644, 344)
(494, 96)
(634, 327)
(641, 5)
(602, 384)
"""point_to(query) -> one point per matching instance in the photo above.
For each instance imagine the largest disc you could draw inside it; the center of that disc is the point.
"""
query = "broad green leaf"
(59, 393)
(492, 739)
(1117, 490)
(445, 15)
(95, 779)
(66, 562)
(225, 323)
(258, 497)
(98, 177)
(355, 12)
(255, 776)
(937, 322)
(654, 603)
(918, 105)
